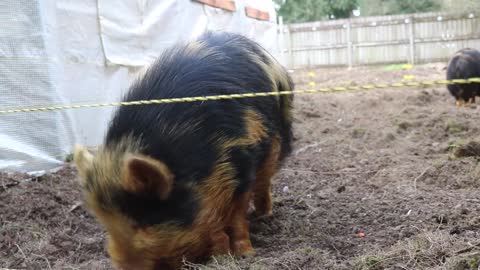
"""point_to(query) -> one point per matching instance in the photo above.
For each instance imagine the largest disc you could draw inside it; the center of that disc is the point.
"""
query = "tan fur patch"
(142, 174)
(166, 243)
(216, 195)
(83, 160)
(255, 131)
(279, 80)
(198, 48)
(218, 205)
(219, 208)
(143, 247)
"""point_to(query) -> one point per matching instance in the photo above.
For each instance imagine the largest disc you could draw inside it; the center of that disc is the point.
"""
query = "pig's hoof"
(243, 248)
(221, 243)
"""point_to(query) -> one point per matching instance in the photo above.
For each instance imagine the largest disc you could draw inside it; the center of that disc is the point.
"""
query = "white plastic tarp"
(28, 70)
(88, 51)
(135, 32)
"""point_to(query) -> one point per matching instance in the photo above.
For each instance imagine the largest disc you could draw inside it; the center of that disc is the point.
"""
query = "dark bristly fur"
(464, 64)
(205, 155)
(221, 66)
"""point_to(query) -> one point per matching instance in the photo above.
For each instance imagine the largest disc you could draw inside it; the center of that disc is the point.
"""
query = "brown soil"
(376, 181)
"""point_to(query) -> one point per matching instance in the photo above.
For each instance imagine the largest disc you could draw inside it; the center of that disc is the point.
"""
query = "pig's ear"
(144, 175)
(83, 159)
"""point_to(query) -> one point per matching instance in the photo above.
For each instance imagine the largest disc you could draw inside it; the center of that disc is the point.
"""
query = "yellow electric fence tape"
(247, 95)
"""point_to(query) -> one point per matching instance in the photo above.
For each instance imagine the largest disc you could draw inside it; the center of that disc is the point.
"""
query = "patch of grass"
(454, 127)
(438, 163)
(469, 262)
(404, 125)
(371, 263)
(427, 250)
(358, 132)
(216, 263)
(452, 145)
(69, 158)
(474, 262)
(308, 250)
(397, 67)
(390, 137)
(301, 258)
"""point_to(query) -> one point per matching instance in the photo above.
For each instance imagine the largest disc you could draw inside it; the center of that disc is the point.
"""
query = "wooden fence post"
(411, 36)
(281, 39)
(290, 45)
(349, 45)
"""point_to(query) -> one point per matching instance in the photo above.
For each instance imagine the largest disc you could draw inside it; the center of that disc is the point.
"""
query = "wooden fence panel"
(411, 38)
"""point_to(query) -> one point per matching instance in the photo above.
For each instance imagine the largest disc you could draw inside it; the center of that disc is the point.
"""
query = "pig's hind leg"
(262, 189)
(238, 228)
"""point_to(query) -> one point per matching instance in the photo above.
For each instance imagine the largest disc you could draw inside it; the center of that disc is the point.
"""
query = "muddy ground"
(379, 179)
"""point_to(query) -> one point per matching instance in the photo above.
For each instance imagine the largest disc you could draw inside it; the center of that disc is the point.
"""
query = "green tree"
(294, 11)
(340, 8)
(461, 5)
(416, 6)
(390, 7)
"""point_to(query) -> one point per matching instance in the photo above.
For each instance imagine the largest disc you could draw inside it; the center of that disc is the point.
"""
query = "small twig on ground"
(341, 172)
(468, 249)
(27, 262)
(306, 147)
(418, 177)
(318, 173)
(75, 206)
(79, 246)
(45, 258)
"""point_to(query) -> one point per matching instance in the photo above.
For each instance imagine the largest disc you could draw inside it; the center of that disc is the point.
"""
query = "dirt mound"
(470, 149)
(43, 225)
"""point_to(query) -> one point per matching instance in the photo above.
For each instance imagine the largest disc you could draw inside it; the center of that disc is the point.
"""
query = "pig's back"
(185, 136)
